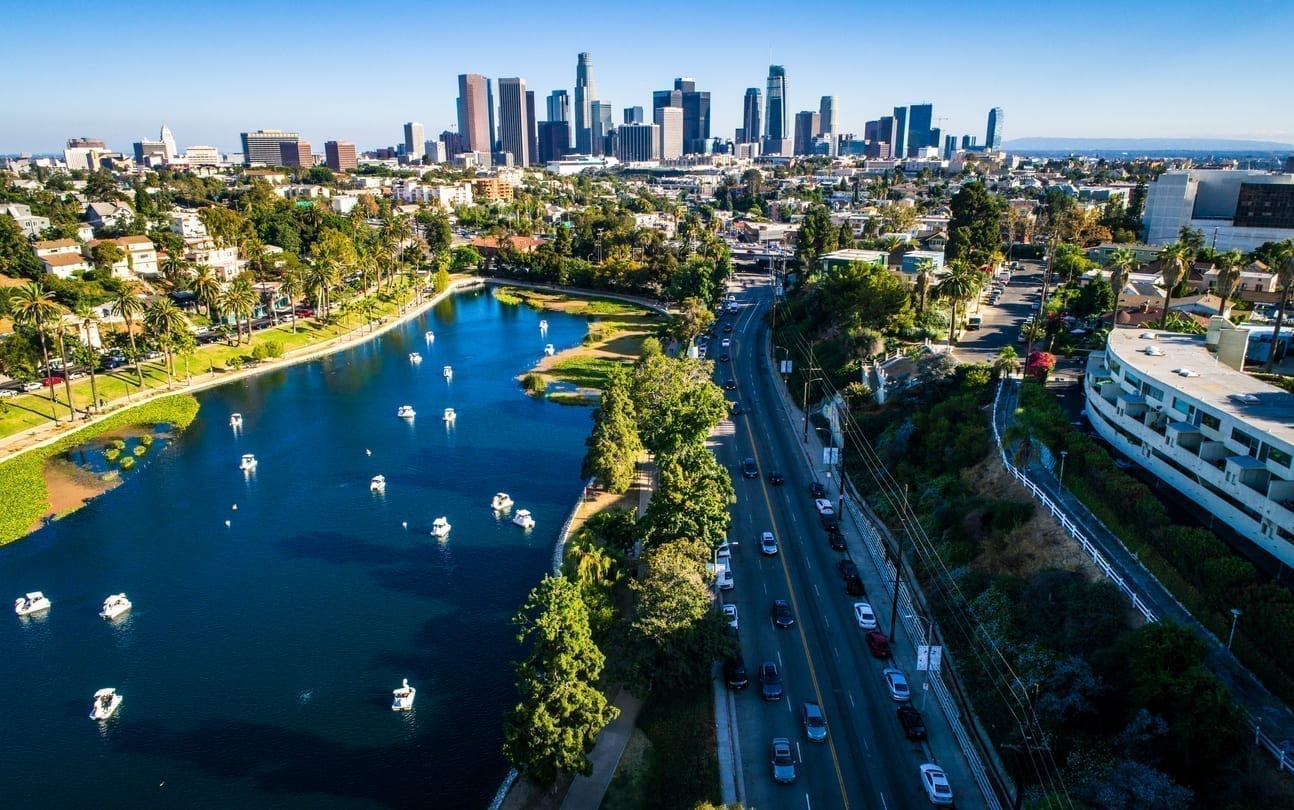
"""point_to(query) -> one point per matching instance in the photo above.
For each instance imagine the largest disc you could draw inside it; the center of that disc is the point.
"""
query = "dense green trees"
(613, 446)
(677, 403)
(975, 230)
(817, 237)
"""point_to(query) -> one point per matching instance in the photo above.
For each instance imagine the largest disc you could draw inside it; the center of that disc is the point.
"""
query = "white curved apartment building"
(1220, 437)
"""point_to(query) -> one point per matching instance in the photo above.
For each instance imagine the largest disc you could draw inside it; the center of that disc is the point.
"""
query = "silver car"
(815, 724)
(783, 761)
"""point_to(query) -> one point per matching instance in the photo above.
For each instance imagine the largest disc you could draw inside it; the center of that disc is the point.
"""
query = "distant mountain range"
(1143, 145)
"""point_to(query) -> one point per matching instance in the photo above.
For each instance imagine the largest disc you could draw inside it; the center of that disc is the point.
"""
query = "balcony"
(1248, 471)
(1185, 435)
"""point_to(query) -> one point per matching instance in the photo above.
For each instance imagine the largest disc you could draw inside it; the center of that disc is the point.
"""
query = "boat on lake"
(406, 412)
(106, 702)
(523, 519)
(429, 336)
(415, 358)
(448, 371)
(543, 326)
(440, 527)
(549, 350)
(236, 420)
(248, 463)
(402, 698)
(501, 501)
(114, 606)
(33, 602)
(450, 416)
(378, 484)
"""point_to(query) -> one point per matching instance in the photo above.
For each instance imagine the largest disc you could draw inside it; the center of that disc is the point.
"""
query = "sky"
(350, 71)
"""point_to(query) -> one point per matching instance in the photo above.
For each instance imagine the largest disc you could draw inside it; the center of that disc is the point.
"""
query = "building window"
(1269, 453)
(1154, 393)
(1240, 437)
(1210, 421)
(1182, 406)
(1115, 368)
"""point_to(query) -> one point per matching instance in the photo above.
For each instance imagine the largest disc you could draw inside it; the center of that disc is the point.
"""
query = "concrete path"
(586, 792)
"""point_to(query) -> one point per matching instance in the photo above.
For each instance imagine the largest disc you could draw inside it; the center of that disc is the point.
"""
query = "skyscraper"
(554, 141)
(340, 155)
(670, 121)
(637, 141)
(585, 92)
(950, 146)
(413, 139)
(532, 128)
(920, 119)
(696, 114)
(827, 112)
(899, 145)
(489, 100)
(806, 129)
(993, 138)
(262, 146)
(750, 116)
(600, 125)
(559, 106)
(514, 127)
(665, 98)
(169, 142)
(475, 119)
(633, 115)
(775, 117)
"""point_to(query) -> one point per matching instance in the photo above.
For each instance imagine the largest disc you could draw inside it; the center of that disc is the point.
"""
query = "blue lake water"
(258, 662)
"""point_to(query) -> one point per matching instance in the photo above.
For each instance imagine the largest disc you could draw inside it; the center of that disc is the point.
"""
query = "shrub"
(258, 352)
(127, 462)
(146, 440)
(273, 348)
(534, 384)
(139, 450)
(111, 453)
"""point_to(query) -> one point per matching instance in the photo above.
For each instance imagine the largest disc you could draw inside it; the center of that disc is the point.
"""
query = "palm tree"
(164, 319)
(129, 306)
(30, 305)
(959, 285)
(923, 279)
(1284, 277)
(206, 288)
(88, 316)
(291, 288)
(1122, 262)
(1033, 332)
(1007, 362)
(320, 278)
(1177, 261)
(1228, 275)
(240, 300)
(175, 269)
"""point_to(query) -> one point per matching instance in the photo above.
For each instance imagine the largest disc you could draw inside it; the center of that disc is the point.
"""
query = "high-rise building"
(262, 146)
(559, 106)
(514, 129)
(670, 122)
(775, 116)
(435, 151)
(453, 142)
(827, 115)
(340, 155)
(950, 146)
(585, 92)
(665, 98)
(637, 141)
(750, 116)
(634, 115)
(696, 114)
(600, 125)
(168, 141)
(475, 118)
(414, 136)
(968, 142)
(532, 128)
(920, 120)
(806, 129)
(899, 143)
(554, 141)
(993, 138)
(295, 154)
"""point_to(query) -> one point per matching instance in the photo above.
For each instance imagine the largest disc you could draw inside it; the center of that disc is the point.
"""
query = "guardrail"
(559, 552)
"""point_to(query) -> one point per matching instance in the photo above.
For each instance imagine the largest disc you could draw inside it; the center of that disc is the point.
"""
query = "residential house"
(222, 260)
(489, 246)
(850, 255)
(140, 258)
(108, 214)
(56, 247)
(31, 226)
(187, 224)
(65, 265)
(909, 261)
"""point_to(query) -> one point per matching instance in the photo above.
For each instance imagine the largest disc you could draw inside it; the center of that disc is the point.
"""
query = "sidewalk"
(587, 791)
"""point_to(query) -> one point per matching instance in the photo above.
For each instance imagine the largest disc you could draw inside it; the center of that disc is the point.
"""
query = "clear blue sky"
(354, 71)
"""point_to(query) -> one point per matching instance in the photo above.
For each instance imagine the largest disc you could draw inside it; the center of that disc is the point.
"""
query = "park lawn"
(585, 372)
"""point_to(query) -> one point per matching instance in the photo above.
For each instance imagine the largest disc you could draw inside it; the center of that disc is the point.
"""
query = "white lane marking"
(852, 704)
(884, 804)
(807, 803)
(798, 753)
(816, 591)
(836, 652)
(788, 707)
(779, 659)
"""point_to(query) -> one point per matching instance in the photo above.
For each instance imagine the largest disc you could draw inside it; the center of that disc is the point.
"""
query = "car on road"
(736, 408)
(730, 613)
(782, 616)
(914, 728)
(768, 543)
(830, 523)
(938, 791)
(824, 507)
(865, 616)
(783, 761)
(815, 723)
(847, 569)
(723, 358)
(734, 672)
(837, 541)
(725, 578)
(877, 644)
(749, 469)
(726, 343)
(897, 684)
(727, 327)
(724, 549)
(770, 681)
(776, 478)
(730, 385)
(817, 490)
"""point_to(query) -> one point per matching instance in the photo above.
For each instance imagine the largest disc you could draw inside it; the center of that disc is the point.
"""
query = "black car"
(855, 587)
(731, 385)
(734, 672)
(723, 358)
(830, 523)
(736, 408)
(817, 490)
(727, 327)
(748, 469)
(837, 541)
(782, 616)
(914, 728)
(776, 478)
(847, 569)
(770, 681)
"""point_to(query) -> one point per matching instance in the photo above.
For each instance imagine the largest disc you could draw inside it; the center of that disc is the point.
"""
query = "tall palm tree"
(164, 319)
(175, 269)
(1177, 261)
(206, 288)
(320, 278)
(1122, 262)
(1284, 277)
(1228, 275)
(959, 285)
(88, 316)
(241, 300)
(291, 288)
(127, 303)
(924, 278)
(30, 305)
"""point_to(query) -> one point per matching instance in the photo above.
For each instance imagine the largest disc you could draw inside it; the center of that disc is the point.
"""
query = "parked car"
(768, 543)
(847, 569)
(878, 644)
(770, 681)
(749, 469)
(730, 385)
(896, 683)
(783, 761)
(817, 490)
(723, 358)
(914, 727)
(864, 616)
(782, 616)
(727, 327)
(730, 613)
(837, 541)
(727, 342)
(734, 672)
(938, 791)
(824, 507)
(725, 578)
(724, 549)
(815, 724)
(736, 408)
(830, 523)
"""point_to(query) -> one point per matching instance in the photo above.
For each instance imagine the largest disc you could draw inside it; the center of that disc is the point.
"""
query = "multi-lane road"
(865, 761)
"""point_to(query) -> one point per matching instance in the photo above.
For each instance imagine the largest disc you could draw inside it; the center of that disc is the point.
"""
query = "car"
(50, 382)
(726, 343)
(914, 728)
(730, 613)
(734, 672)
(28, 387)
(736, 408)
(730, 385)
(770, 681)
(776, 478)
(725, 578)
(5, 393)
(727, 328)
(768, 544)
(817, 490)
(783, 761)
(815, 724)
(724, 549)
(847, 569)
(877, 644)
(782, 616)
(837, 541)
(723, 358)
(896, 683)
(749, 469)
(830, 523)
(938, 791)
(824, 507)
(864, 616)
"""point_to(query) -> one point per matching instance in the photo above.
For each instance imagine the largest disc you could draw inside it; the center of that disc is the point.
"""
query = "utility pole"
(808, 377)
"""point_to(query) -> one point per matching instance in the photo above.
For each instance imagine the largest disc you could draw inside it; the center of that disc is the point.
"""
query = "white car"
(824, 506)
(726, 343)
(865, 616)
(938, 791)
(897, 684)
(724, 550)
(730, 613)
(725, 578)
(768, 543)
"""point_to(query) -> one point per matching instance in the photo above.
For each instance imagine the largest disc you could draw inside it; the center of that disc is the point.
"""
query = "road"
(866, 761)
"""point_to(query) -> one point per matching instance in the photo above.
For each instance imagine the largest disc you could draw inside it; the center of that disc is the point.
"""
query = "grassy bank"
(671, 762)
(26, 495)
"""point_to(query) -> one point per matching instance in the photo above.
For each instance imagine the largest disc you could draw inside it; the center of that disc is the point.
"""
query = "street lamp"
(1235, 618)
(1063, 453)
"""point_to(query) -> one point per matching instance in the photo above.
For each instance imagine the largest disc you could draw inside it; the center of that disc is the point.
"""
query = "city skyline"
(1138, 85)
